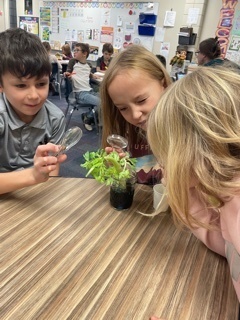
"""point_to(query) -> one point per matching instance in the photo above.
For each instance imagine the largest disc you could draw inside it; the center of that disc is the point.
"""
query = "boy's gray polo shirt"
(18, 140)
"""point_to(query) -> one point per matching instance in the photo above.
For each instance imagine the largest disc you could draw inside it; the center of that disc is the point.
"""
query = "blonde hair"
(137, 58)
(194, 132)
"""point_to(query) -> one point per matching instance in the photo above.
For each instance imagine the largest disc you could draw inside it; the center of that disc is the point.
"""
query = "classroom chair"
(55, 78)
(73, 105)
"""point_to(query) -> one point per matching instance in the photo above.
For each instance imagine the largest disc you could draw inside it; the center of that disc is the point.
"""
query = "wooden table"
(66, 254)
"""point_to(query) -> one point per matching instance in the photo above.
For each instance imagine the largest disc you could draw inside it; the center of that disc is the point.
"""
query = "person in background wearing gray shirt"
(31, 127)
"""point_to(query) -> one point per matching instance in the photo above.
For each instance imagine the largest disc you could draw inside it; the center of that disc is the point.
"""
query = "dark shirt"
(101, 64)
(69, 57)
(148, 171)
(224, 63)
(214, 62)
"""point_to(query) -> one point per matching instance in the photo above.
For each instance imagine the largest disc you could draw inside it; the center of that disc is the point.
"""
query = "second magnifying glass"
(117, 142)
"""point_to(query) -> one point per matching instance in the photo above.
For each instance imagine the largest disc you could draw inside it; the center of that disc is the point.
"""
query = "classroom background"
(162, 26)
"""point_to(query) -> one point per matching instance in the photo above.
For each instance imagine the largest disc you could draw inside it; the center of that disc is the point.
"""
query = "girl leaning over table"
(131, 88)
(194, 132)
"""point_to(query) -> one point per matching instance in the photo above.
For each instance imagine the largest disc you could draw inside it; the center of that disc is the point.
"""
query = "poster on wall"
(30, 24)
(45, 23)
(45, 33)
(225, 26)
(106, 34)
(97, 22)
(234, 43)
(28, 7)
(233, 52)
(45, 16)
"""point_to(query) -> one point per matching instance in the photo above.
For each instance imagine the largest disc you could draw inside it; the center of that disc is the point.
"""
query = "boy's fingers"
(109, 149)
(44, 149)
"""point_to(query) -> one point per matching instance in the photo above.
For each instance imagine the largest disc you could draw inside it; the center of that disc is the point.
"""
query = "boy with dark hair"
(79, 71)
(27, 120)
(103, 62)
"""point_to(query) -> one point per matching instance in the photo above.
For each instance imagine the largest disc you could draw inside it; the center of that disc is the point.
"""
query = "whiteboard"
(97, 22)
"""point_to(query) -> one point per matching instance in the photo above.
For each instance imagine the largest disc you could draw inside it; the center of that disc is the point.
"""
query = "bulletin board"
(29, 23)
(95, 23)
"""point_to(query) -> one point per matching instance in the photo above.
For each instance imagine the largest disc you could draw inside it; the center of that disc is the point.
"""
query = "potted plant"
(113, 171)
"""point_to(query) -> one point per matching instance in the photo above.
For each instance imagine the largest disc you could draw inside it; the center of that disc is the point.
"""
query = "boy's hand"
(45, 163)
(68, 74)
(118, 150)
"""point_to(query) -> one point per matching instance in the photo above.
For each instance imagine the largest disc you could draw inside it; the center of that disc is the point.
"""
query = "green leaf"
(106, 168)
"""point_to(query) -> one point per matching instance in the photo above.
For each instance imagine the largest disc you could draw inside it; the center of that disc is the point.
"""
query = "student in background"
(194, 132)
(102, 65)
(30, 126)
(52, 59)
(79, 72)
(131, 88)
(66, 52)
(105, 59)
(209, 55)
(66, 55)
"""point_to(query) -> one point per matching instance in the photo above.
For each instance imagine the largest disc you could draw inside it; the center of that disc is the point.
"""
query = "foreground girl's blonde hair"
(194, 132)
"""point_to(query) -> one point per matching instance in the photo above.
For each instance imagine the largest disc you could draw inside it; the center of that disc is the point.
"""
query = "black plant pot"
(121, 198)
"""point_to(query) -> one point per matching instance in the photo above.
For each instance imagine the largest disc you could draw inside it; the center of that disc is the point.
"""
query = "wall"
(164, 5)
(13, 23)
(85, 22)
(20, 8)
(171, 34)
(211, 19)
(4, 17)
(205, 28)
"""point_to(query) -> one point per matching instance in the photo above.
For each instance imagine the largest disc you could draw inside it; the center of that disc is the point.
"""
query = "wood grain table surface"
(67, 254)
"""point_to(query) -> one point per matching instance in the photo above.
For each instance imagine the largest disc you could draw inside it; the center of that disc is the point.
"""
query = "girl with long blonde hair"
(194, 132)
